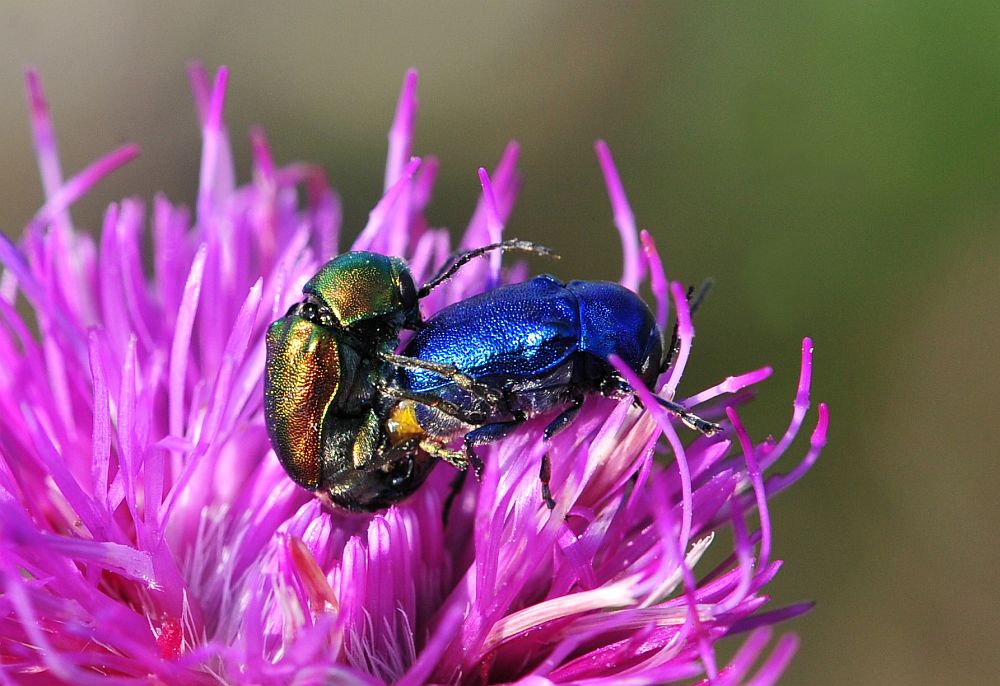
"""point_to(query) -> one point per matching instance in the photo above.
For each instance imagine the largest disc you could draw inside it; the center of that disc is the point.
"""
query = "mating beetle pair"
(362, 425)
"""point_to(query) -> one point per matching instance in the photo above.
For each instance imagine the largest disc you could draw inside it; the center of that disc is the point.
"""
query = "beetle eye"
(308, 311)
(407, 290)
(315, 313)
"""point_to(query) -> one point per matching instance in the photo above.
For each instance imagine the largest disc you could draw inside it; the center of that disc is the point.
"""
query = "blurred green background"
(834, 166)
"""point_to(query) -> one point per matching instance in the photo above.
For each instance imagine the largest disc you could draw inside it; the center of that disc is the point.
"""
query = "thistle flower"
(148, 534)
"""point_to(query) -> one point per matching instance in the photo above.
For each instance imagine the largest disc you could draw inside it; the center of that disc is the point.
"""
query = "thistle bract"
(149, 535)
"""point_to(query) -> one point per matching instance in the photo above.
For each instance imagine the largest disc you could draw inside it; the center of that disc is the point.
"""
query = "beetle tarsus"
(545, 476)
(690, 419)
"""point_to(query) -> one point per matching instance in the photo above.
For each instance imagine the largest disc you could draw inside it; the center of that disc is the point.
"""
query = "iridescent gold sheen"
(302, 378)
(365, 446)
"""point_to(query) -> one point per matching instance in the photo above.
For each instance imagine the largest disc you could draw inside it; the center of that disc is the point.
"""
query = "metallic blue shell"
(519, 331)
(529, 331)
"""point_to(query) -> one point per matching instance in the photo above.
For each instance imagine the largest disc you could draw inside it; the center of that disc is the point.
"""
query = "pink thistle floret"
(148, 534)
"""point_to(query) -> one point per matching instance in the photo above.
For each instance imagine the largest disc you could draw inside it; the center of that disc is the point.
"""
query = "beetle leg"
(387, 457)
(690, 419)
(456, 458)
(450, 372)
(565, 418)
(475, 461)
(367, 444)
(545, 475)
(483, 435)
(459, 259)
(440, 404)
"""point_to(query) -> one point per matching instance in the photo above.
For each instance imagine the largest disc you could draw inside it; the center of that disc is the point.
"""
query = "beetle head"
(365, 290)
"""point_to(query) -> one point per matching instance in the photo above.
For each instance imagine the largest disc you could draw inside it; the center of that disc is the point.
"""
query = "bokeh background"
(834, 166)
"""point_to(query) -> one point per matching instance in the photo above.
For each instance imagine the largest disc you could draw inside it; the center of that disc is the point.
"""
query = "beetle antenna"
(693, 304)
(458, 260)
(690, 419)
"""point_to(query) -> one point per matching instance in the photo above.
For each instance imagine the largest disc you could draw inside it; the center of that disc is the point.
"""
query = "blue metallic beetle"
(540, 345)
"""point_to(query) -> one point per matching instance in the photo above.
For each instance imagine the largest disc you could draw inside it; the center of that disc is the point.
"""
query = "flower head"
(149, 535)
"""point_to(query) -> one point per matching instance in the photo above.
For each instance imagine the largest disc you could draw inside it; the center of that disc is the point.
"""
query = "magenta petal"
(658, 280)
(624, 218)
(45, 138)
(505, 184)
(401, 133)
(64, 196)
(494, 226)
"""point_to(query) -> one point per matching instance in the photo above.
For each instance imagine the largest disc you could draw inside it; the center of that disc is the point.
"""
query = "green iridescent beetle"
(322, 372)
(326, 390)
